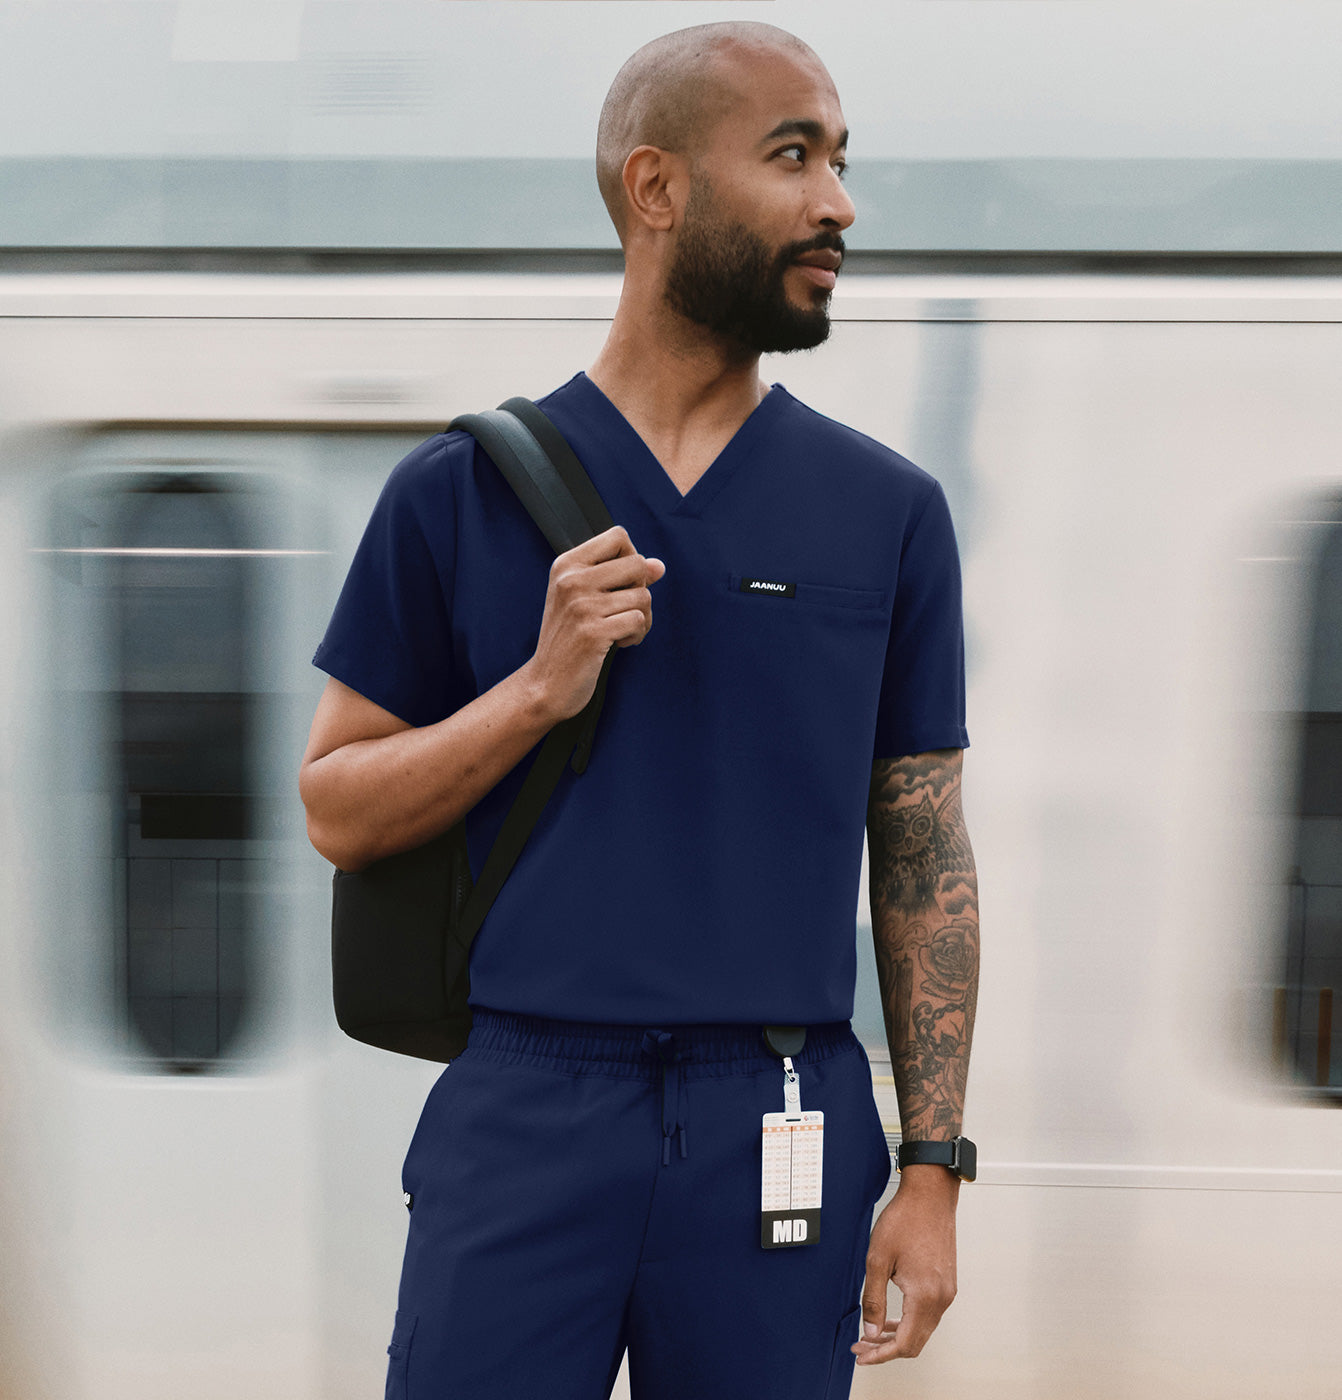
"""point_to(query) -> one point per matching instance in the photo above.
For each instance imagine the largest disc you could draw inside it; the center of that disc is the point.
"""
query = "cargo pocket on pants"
(398, 1352)
(842, 1362)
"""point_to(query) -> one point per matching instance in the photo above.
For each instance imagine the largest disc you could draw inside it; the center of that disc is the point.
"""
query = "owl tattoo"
(922, 844)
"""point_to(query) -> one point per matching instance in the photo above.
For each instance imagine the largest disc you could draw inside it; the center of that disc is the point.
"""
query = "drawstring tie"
(662, 1044)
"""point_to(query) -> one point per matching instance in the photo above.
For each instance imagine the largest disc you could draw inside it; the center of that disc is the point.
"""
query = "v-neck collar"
(647, 472)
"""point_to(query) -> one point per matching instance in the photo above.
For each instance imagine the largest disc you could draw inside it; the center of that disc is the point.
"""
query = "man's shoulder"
(431, 458)
(449, 470)
(844, 448)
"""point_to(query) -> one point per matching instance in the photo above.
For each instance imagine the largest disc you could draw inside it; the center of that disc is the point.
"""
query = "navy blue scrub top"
(705, 867)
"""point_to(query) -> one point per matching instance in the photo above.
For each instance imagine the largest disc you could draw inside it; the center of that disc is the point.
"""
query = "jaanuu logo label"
(768, 585)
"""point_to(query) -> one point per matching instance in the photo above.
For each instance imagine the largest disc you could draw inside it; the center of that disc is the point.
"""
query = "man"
(697, 882)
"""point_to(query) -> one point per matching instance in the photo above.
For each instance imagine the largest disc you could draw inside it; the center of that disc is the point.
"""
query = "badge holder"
(792, 1156)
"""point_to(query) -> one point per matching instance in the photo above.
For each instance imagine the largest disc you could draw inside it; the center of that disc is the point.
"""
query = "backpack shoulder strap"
(571, 471)
(532, 471)
(559, 496)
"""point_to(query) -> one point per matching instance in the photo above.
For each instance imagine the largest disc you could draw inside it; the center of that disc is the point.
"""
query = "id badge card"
(794, 1146)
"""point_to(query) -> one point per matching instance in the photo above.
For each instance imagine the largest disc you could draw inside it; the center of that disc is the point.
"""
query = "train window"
(188, 573)
(160, 595)
(1305, 1000)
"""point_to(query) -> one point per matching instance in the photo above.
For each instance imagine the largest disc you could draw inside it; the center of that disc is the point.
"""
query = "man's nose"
(833, 205)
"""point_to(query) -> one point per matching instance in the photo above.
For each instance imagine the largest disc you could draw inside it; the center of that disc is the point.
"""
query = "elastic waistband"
(580, 1047)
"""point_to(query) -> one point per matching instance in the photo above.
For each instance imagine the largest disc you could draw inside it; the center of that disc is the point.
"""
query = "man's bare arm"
(374, 785)
(925, 921)
(924, 918)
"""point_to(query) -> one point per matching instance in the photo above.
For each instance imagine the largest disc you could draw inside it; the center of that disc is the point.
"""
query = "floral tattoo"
(924, 914)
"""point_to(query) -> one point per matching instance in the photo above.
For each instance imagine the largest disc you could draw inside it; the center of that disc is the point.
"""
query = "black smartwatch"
(959, 1154)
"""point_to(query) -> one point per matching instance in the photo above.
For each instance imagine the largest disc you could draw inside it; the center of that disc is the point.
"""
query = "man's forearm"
(924, 917)
(373, 797)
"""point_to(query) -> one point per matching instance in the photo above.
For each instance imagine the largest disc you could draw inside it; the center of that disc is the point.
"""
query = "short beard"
(724, 278)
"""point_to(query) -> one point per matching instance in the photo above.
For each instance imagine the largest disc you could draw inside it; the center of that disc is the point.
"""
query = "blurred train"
(199, 1176)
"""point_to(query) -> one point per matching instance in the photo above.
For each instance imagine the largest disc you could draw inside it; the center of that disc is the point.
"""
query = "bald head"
(673, 93)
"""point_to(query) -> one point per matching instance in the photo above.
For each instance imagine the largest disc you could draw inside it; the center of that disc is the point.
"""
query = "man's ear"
(656, 184)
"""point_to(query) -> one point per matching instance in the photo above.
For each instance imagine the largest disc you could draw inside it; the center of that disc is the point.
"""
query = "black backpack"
(402, 927)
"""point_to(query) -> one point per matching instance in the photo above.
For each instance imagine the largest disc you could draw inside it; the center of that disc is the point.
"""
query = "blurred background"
(978, 126)
(251, 253)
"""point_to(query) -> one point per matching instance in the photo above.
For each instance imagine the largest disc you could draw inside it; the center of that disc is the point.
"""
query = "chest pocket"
(782, 592)
(813, 656)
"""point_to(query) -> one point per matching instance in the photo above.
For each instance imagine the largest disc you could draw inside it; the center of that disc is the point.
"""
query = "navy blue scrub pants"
(579, 1189)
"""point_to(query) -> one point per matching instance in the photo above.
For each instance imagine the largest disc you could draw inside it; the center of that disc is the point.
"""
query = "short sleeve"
(389, 637)
(922, 704)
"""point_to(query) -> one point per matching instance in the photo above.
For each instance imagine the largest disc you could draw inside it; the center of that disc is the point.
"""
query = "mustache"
(831, 242)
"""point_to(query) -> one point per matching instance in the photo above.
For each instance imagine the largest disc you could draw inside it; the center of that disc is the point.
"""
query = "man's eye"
(841, 168)
(800, 152)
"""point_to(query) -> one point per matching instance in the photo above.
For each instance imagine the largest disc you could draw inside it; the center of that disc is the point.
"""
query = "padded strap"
(574, 476)
(551, 483)
(530, 473)
(571, 470)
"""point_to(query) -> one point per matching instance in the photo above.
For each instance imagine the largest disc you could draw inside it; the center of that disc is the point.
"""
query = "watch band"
(959, 1154)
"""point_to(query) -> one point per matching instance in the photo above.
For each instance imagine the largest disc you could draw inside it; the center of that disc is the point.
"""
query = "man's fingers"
(906, 1336)
(916, 1324)
(873, 1295)
(878, 1348)
(573, 577)
(628, 628)
(609, 544)
(895, 1342)
(628, 571)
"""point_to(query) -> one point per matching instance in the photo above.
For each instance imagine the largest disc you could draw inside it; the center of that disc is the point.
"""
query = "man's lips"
(820, 265)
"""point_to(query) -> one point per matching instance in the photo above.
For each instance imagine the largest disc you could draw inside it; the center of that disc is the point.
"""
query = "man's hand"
(598, 597)
(913, 1243)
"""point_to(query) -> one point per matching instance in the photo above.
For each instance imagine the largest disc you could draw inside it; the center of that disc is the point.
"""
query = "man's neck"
(682, 390)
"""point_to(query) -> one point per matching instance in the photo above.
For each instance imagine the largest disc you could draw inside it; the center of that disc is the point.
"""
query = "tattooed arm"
(924, 919)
